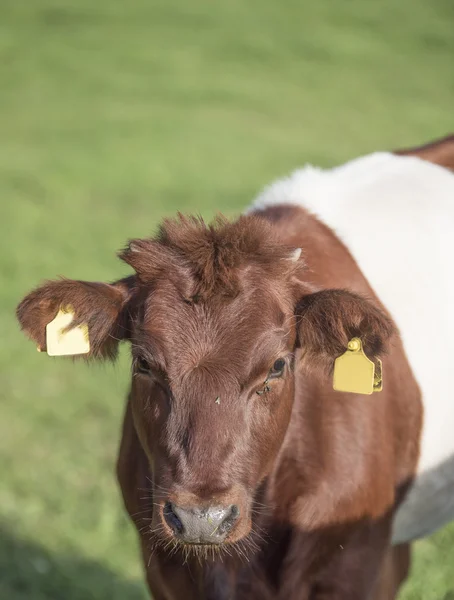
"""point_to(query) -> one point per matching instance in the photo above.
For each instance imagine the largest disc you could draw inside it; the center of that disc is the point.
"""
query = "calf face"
(218, 317)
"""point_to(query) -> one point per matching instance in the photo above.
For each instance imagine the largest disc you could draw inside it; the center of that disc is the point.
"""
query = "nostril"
(227, 524)
(172, 519)
(235, 511)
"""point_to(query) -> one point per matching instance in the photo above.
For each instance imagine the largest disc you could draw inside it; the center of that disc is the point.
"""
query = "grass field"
(113, 114)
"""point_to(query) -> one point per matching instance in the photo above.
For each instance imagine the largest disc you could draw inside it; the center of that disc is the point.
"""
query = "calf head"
(219, 318)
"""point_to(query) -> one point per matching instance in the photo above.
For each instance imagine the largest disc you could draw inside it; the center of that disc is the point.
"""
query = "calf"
(246, 474)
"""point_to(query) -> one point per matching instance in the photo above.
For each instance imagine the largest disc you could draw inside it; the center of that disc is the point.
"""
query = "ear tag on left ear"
(66, 343)
(355, 373)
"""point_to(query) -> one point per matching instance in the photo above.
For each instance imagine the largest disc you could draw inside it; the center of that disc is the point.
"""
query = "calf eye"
(142, 365)
(277, 369)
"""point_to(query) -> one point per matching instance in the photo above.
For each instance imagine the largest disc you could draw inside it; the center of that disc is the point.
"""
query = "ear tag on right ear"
(69, 343)
(355, 373)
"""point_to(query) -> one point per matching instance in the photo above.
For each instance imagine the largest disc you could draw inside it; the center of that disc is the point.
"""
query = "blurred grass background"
(113, 114)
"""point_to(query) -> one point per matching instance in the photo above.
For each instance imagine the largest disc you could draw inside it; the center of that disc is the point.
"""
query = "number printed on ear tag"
(355, 373)
(69, 343)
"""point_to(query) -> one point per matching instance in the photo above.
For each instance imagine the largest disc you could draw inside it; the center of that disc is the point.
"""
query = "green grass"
(113, 114)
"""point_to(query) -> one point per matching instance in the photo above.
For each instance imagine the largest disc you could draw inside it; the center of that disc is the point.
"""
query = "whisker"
(141, 512)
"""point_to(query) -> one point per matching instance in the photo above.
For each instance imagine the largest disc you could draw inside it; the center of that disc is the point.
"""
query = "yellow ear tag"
(69, 343)
(355, 373)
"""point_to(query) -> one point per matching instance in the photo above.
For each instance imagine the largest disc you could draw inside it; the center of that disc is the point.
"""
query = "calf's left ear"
(327, 320)
(100, 307)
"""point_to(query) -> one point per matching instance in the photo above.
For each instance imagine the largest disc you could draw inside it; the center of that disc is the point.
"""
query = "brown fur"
(205, 260)
(329, 319)
(100, 305)
(317, 474)
(439, 152)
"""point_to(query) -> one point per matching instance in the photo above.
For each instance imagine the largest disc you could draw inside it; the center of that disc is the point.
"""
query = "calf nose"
(195, 525)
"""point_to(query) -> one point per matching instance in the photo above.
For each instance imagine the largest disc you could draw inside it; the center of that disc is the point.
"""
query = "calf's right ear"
(102, 307)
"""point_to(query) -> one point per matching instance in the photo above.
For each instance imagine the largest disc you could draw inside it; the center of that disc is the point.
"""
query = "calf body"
(246, 475)
(396, 215)
(322, 515)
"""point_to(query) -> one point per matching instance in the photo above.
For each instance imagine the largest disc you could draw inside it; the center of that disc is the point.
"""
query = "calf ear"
(102, 307)
(329, 319)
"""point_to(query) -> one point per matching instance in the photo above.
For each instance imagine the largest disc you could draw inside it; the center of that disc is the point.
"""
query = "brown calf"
(245, 473)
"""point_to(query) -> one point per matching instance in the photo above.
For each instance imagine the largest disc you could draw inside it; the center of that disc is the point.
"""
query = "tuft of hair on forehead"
(206, 259)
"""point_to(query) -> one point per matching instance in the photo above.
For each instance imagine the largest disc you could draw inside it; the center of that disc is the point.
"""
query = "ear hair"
(102, 306)
(329, 319)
